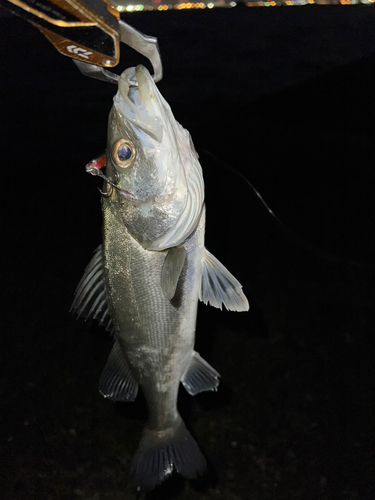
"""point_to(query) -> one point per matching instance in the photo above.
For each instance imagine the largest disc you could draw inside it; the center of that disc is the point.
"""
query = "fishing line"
(290, 232)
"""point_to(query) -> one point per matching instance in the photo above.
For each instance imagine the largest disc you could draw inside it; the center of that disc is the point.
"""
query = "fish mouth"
(140, 101)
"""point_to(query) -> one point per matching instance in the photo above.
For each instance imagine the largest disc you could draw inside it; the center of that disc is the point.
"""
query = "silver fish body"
(145, 280)
(156, 334)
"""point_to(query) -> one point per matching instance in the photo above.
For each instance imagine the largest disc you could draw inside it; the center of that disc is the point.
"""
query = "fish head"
(151, 158)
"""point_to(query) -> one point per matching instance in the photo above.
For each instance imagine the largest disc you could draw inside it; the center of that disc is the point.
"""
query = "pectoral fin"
(171, 271)
(200, 376)
(116, 381)
(219, 286)
(90, 299)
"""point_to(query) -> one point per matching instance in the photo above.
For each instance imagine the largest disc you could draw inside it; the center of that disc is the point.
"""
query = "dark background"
(286, 97)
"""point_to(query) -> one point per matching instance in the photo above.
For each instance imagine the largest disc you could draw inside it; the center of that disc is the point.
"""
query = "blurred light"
(198, 5)
(158, 4)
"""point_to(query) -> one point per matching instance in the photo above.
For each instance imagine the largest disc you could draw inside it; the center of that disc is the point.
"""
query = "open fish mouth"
(140, 103)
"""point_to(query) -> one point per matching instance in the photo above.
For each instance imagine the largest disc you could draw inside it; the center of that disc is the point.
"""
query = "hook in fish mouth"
(94, 170)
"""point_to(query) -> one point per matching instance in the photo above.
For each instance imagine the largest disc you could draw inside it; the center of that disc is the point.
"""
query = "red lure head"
(98, 163)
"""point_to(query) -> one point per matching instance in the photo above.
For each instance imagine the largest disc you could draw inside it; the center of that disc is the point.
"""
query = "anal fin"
(200, 376)
(116, 381)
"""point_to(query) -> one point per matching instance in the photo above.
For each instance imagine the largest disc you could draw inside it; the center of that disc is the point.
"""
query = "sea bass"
(144, 281)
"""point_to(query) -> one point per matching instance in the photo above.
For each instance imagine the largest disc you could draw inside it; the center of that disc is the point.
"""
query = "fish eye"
(123, 153)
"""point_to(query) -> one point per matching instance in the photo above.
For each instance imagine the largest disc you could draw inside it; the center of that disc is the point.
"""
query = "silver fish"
(144, 281)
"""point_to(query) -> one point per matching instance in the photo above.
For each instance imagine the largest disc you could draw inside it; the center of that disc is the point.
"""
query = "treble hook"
(92, 169)
(106, 194)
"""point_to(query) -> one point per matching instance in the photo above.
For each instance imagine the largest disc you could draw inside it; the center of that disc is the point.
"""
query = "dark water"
(285, 96)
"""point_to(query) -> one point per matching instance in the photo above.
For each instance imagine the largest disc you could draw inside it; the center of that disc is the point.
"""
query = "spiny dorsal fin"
(172, 267)
(90, 298)
(219, 286)
(116, 381)
(200, 376)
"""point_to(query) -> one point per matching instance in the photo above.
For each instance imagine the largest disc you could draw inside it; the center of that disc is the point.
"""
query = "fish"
(146, 278)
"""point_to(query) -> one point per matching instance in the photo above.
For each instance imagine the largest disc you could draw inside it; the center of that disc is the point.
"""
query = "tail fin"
(162, 452)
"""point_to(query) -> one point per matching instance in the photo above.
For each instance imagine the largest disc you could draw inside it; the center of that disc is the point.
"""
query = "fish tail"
(160, 453)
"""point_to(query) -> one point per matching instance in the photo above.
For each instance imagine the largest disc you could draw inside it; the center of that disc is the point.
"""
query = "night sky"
(282, 96)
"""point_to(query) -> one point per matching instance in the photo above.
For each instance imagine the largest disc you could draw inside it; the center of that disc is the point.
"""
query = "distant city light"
(130, 8)
(225, 3)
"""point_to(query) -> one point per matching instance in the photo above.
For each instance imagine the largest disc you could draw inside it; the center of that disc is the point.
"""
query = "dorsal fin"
(219, 287)
(90, 296)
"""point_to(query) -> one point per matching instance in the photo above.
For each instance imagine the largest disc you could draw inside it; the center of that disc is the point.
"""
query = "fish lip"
(144, 89)
(145, 116)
